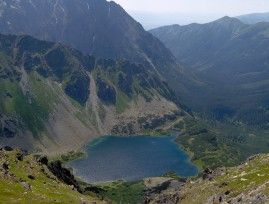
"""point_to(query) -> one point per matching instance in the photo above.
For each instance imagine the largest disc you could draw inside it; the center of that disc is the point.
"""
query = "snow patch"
(58, 10)
(30, 1)
(14, 7)
(93, 40)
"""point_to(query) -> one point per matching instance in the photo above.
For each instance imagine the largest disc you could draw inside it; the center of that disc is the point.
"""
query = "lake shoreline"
(165, 145)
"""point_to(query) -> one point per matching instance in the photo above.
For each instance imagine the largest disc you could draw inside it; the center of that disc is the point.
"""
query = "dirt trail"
(169, 126)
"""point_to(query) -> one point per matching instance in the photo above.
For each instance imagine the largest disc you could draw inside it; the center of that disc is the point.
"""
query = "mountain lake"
(132, 158)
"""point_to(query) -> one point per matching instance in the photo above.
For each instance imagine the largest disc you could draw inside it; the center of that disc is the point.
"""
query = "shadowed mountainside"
(232, 60)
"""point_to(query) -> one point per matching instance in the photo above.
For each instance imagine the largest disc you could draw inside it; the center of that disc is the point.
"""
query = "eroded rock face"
(8, 125)
(63, 174)
(9, 133)
(106, 92)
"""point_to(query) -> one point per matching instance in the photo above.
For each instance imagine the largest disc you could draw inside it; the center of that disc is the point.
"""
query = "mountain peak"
(227, 20)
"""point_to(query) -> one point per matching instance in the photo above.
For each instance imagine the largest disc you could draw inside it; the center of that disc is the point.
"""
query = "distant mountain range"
(232, 58)
(254, 18)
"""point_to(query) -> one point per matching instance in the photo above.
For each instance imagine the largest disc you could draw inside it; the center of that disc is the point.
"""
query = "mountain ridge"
(254, 18)
(224, 24)
(231, 58)
(123, 36)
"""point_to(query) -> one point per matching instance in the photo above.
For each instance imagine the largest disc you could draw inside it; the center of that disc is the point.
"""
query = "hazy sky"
(153, 13)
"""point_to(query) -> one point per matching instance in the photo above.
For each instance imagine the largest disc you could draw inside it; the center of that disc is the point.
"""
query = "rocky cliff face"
(246, 183)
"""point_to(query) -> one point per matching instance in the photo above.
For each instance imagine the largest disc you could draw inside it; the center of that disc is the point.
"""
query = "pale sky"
(154, 13)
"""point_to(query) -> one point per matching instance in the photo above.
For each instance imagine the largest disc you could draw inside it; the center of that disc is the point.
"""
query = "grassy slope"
(248, 181)
(32, 113)
(122, 192)
(43, 188)
(27, 96)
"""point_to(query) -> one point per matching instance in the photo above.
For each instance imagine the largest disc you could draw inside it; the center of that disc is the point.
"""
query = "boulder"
(19, 156)
(30, 176)
(8, 149)
(207, 173)
(26, 185)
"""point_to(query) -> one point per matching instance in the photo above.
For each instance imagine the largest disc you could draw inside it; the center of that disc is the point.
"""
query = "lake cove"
(132, 158)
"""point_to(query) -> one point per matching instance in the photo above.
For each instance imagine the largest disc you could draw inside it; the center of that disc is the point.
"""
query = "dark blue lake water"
(132, 158)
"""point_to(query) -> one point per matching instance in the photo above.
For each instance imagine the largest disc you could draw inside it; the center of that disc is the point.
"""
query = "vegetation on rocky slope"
(246, 183)
(213, 145)
(122, 192)
(25, 179)
(119, 82)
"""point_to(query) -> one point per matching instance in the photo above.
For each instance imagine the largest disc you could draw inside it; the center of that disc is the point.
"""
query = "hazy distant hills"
(254, 18)
(194, 44)
(233, 60)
